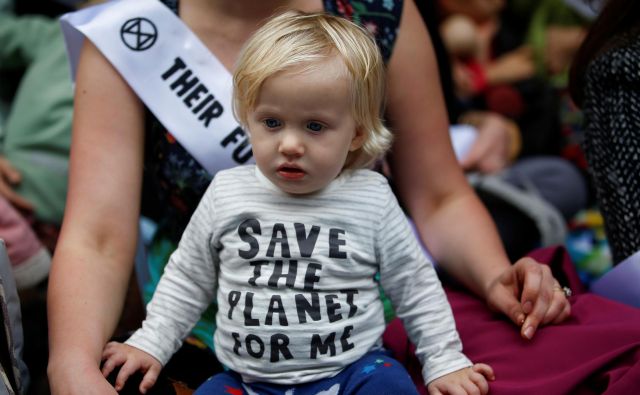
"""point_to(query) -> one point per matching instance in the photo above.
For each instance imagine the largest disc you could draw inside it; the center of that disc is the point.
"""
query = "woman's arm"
(431, 184)
(95, 252)
(450, 218)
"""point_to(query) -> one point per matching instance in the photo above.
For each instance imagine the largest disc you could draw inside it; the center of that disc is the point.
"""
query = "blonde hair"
(294, 39)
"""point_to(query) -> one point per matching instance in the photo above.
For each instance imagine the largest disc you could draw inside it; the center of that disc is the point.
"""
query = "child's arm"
(132, 360)
(412, 284)
(463, 381)
(187, 286)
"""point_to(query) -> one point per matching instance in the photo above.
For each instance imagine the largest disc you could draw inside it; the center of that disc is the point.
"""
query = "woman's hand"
(10, 177)
(529, 295)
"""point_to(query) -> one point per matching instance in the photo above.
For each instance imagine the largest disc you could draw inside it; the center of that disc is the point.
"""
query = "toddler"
(294, 248)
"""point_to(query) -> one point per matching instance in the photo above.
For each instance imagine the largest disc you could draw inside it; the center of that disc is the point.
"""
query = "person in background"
(547, 182)
(30, 260)
(605, 83)
(34, 150)
(34, 155)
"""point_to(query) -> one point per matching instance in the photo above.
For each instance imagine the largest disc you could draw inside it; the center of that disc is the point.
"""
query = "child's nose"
(291, 144)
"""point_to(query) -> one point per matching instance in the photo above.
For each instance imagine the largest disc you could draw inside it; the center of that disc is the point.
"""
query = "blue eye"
(271, 123)
(315, 126)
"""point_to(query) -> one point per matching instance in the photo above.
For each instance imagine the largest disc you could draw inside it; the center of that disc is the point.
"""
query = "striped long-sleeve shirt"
(296, 280)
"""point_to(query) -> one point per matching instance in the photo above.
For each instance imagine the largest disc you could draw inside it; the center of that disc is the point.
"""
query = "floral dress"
(174, 181)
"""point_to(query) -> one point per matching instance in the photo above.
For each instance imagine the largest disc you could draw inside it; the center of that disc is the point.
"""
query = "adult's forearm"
(451, 220)
(463, 239)
(85, 299)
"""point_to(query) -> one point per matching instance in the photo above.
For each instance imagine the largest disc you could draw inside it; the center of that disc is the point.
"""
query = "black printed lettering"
(236, 343)
(332, 307)
(277, 273)
(275, 306)
(248, 307)
(335, 242)
(279, 235)
(317, 345)
(306, 243)
(310, 277)
(279, 343)
(202, 104)
(254, 246)
(233, 136)
(208, 107)
(257, 270)
(184, 82)
(195, 94)
(243, 152)
(350, 295)
(234, 298)
(213, 111)
(304, 307)
(254, 339)
(178, 64)
(346, 346)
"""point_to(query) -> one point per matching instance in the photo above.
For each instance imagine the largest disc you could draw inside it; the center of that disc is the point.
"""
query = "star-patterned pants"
(374, 374)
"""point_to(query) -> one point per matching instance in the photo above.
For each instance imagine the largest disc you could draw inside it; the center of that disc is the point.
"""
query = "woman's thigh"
(595, 351)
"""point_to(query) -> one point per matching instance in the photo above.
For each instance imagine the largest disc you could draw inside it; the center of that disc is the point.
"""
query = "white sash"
(174, 74)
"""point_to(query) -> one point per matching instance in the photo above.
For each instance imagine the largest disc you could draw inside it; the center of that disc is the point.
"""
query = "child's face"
(302, 127)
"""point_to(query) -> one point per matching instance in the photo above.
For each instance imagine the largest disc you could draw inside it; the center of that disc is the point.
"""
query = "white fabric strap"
(174, 74)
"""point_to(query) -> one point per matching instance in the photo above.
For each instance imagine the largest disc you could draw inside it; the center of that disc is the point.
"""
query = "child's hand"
(472, 381)
(131, 359)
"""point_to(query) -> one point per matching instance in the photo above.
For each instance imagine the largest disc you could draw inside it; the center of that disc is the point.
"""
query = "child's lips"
(290, 172)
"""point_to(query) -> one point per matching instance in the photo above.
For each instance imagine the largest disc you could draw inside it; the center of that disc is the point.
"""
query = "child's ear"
(358, 139)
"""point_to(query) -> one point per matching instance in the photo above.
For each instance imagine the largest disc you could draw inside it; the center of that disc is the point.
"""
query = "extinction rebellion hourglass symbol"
(138, 34)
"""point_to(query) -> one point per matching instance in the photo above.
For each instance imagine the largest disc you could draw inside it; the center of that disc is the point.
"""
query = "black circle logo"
(138, 34)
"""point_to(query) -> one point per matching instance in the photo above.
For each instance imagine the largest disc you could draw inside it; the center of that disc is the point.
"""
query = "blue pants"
(374, 374)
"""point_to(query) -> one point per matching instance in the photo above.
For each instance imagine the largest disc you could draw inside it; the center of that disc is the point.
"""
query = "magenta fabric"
(596, 351)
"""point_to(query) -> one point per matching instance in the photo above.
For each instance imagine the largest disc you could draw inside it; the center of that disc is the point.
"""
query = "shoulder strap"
(174, 74)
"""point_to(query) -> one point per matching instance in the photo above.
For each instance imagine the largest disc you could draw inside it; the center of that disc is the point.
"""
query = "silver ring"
(565, 290)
